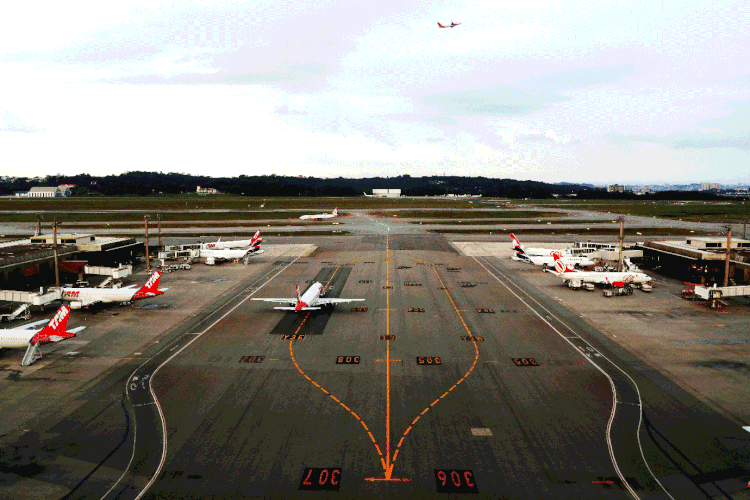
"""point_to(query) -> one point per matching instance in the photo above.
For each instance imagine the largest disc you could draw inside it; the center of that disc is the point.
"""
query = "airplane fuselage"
(98, 294)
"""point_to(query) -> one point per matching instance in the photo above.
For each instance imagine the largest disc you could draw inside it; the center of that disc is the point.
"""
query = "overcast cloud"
(590, 91)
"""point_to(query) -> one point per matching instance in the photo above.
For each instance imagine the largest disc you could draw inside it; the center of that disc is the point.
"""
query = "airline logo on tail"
(55, 329)
(516, 243)
(335, 211)
(256, 238)
(560, 266)
(300, 304)
(151, 287)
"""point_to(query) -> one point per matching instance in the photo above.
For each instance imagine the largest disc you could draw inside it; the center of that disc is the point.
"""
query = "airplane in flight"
(214, 256)
(311, 300)
(451, 25)
(567, 273)
(549, 261)
(85, 297)
(29, 337)
(530, 252)
(221, 245)
(335, 213)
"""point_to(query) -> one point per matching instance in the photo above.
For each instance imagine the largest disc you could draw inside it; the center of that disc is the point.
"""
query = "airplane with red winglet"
(28, 336)
(567, 273)
(335, 213)
(85, 297)
(451, 25)
(253, 242)
(311, 300)
(531, 252)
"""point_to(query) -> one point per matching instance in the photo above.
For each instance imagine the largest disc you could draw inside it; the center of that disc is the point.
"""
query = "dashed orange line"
(476, 359)
(294, 360)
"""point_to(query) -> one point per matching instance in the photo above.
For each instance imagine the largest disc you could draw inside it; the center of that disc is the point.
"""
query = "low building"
(201, 190)
(616, 188)
(46, 192)
(386, 193)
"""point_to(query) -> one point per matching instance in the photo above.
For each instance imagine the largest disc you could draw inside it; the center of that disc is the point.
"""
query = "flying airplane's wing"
(324, 302)
(32, 325)
(279, 301)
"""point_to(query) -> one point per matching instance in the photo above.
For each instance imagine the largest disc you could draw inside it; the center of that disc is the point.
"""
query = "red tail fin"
(516, 243)
(150, 288)
(560, 266)
(55, 329)
(441, 25)
(256, 237)
(298, 299)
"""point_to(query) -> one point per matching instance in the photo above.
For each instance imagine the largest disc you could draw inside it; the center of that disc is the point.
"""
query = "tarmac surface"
(456, 375)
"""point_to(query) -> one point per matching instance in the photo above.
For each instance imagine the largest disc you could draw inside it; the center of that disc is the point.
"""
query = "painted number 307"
(321, 479)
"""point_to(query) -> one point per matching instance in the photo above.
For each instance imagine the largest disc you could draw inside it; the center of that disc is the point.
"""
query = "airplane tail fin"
(335, 211)
(560, 266)
(298, 299)
(256, 238)
(150, 288)
(516, 244)
(441, 25)
(56, 329)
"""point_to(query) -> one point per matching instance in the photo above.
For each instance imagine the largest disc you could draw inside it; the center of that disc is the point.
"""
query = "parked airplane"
(220, 245)
(567, 273)
(29, 337)
(549, 261)
(536, 251)
(452, 25)
(335, 213)
(311, 300)
(85, 297)
(212, 256)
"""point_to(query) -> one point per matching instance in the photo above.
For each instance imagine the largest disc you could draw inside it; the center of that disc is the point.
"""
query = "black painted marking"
(467, 285)
(365, 281)
(485, 310)
(294, 336)
(404, 267)
(453, 269)
(429, 360)
(359, 309)
(412, 284)
(416, 309)
(347, 360)
(387, 287)
(328, 479)
(525, 362)
(387, 337)
(252, 359)
(455, 481)
(472, 338)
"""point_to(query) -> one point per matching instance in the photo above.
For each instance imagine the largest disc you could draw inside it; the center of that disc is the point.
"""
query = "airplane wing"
(279, 301)
(32, 325)
(324, 302)
(130, 286)
(76, 330)
(294, 308)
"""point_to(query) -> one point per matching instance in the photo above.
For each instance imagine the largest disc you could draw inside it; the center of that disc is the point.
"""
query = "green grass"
(468, 214)
(501, 221)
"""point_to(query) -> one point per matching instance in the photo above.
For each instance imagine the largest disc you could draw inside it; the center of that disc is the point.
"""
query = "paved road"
(362, 404)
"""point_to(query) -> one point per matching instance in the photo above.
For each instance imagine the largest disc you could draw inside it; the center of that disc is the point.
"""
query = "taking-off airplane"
(311, 300)
(335, 213)
(29, 337)
(451, 25)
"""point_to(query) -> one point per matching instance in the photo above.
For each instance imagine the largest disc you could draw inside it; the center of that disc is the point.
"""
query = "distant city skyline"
(584, 92)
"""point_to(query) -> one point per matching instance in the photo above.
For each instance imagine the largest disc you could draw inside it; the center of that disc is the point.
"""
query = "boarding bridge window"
(744, 244)
(713, 245)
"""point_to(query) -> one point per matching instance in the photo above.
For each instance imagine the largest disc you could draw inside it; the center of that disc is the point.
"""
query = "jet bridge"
(720, 292)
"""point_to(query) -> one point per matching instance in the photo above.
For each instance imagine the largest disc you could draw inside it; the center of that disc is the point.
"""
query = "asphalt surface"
(458, 372)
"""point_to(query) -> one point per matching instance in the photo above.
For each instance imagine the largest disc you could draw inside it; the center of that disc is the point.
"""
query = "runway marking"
(590, 360)
(476, 359)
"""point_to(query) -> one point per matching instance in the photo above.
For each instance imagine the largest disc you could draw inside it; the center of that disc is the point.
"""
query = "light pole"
(726, 264)
(619, 259)
(54, 252)
(148, 260)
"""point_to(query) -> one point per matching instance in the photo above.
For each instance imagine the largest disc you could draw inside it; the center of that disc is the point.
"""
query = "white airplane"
(567, 273)
(549, 261)
(255, 241)
(311, 300)
(451, 25)
(335, 213)
(85, 297)
(29, 337)
(213, 256)
(536, 251)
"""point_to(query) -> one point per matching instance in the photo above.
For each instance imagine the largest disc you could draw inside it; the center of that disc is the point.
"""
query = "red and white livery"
(85, 297)
(451, 25)
(567, 273)
(29, 337)
(311, 300)
(537, 252)
(253, 242)
(335, 213)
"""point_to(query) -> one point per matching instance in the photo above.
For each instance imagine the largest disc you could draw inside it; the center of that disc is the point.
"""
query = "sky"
(647, 92)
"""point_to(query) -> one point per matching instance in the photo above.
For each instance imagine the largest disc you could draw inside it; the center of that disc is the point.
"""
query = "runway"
(454, 376)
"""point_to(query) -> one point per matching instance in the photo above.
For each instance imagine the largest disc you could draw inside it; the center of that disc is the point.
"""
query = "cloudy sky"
(588, 91)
